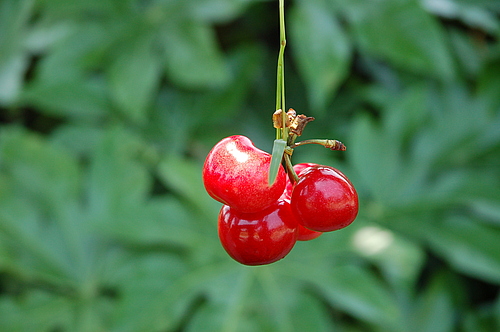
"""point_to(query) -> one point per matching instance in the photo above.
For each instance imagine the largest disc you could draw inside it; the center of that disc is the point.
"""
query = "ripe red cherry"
(258, 238)
(324, 199)
(235, 173)
(298, 168)
(305, 234)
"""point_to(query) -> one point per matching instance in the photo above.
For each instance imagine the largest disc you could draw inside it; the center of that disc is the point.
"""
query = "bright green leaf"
(402, 33)
(377, 166)
(134, 77)
(34, 253)
(489, 210)
(163, 222)
(79, 139)
(53, 229)
(193, 58)
(471, 14)
(11, 78)
(14, 18)
(38, 311)
(75, 98)
(321, 49)
(218, 10)
(116, 179)
(40, 169)
(184, 177)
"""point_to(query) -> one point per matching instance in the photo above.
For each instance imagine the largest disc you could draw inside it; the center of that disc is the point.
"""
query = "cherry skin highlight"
(258, 238)
(324, 199)
(235, 173)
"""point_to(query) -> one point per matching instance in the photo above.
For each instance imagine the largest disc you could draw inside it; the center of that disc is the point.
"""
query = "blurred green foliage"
(108, 108)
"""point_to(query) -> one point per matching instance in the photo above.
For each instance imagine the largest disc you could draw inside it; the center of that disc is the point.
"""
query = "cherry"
(305, 234)
(324, 199)
(235, 173)
(258, 238)
(298, 168)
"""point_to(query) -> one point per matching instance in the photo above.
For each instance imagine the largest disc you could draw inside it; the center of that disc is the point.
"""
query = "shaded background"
(109, 107)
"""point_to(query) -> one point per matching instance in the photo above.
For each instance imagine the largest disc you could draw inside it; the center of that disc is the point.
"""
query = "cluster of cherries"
(259, 222)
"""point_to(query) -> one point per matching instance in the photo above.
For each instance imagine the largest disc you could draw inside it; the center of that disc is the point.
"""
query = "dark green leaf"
(310, 314)
(489, 80)
(355, 290)
(34, 252)
(435, 310)
(489, 210)
(469, 246)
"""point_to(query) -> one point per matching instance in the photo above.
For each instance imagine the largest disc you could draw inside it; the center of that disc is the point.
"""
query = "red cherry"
(298, 168)
(258, 238)
(305, 234)
(324, 199)
(235, 173)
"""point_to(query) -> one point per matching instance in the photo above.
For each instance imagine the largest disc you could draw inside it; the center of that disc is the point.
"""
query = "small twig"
(331, 144)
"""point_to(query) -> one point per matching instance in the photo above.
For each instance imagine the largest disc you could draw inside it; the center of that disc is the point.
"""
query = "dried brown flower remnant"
(299, 123)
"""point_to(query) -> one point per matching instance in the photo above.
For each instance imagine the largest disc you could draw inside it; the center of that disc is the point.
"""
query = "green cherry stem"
(331, 144)
(289, 167)
(281, 133)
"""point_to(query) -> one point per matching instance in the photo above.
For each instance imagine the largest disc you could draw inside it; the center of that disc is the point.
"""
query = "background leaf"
(192, 56)
(418, 44)
(108, 109)
(134, 77)
(321, 50)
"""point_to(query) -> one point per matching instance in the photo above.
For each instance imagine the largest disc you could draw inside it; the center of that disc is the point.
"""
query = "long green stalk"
(280, 82)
